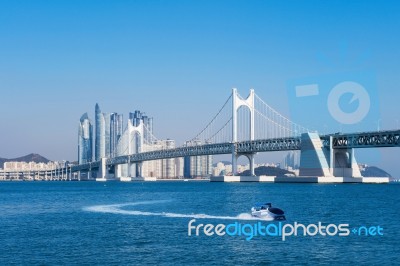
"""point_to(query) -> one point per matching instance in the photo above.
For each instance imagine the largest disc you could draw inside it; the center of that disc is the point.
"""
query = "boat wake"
(119, 209)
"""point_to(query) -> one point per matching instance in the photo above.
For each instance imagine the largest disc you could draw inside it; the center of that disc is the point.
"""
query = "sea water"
(147, 223)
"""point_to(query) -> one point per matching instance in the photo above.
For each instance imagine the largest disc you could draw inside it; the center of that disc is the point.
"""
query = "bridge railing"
(86, 166)
(340, 141)
(277, 144)
(197, 150)
(388, 138)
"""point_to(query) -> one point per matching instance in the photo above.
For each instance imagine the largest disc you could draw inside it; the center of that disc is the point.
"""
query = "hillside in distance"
(269, 171)
(373, 171)
(33, 157)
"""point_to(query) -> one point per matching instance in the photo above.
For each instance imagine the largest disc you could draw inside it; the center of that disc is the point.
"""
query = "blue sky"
(178, 60)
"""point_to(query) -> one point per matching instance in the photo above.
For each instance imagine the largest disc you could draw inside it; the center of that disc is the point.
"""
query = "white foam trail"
(118, 209)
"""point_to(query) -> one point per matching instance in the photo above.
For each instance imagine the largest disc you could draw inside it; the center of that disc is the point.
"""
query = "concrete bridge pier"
(102, 172)
(318, 161)
(344, 163)
(234, 161)
(131, 169)
(139, 169)
(118, 171)
(249, 156)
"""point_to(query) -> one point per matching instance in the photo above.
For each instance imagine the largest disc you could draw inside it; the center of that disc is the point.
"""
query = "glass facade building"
(100, 145)
(109, 129)
(85, 140)
(137, 117)
(105, 140)
(107, 134)
(197, 166)
(116, 130)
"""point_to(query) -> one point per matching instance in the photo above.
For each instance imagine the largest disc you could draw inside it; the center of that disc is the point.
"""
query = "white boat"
(266, 211)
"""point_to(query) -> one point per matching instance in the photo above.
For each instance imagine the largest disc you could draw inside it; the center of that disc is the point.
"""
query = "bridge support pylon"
(118, 171)
(238, 102)
(135, 145)
(344, 163)
(102, 172)
(249, 156)
(139, 169)
(319, 161)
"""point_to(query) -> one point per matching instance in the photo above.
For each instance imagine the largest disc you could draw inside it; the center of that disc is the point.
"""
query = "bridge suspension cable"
(126, 141)
(219, 138)
(217, 130)
(269, 123)
(149, 137)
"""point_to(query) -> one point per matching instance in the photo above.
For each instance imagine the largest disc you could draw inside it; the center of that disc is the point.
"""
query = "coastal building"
(109, 129)
(107, 134)
(219, 169)
(85, 140)
(138, 117)
(32, 166)
(291, 160)
(100, 145)
(111, 139)
(197, 166)
(165, 168)
(116, 130)
(179, 167)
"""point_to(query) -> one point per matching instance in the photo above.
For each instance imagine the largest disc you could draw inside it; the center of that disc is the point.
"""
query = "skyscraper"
(85, 139)
(116, 130)
(291, 160)
(109, 130)
(196, 166)
(107, 134)
(100, 146)
(169, 164)
(137, 117)
(164, 168)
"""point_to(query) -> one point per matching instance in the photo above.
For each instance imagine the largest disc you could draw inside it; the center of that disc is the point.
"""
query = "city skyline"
(112, 138)
(196, 60)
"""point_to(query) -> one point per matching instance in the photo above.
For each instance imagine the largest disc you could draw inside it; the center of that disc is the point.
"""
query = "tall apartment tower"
(138, 117)
(85, 140)
(197, 166)
(116, 130)
(100, 145)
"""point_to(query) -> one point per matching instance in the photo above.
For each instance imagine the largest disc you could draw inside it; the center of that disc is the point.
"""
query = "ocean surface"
(113, 223)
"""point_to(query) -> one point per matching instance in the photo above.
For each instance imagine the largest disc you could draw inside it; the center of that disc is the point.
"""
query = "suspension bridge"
(245, 127)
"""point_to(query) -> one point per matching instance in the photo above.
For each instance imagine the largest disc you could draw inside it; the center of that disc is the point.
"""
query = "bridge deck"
(339, 141)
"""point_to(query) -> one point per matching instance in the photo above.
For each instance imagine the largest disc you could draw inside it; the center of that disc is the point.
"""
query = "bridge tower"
(128, 146)
(238, 102)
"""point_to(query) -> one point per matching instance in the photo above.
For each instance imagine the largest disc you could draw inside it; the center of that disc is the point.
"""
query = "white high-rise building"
(197, 166)
(85, 140)
(165, 168)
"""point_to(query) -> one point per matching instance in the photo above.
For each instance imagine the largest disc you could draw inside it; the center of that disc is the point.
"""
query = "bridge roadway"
(339, 141)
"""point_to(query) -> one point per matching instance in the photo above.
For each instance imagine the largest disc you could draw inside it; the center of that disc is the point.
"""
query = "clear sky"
(178, 60)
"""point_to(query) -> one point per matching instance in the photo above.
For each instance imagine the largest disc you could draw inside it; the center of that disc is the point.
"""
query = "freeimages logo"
(344, 101)
(259, 229)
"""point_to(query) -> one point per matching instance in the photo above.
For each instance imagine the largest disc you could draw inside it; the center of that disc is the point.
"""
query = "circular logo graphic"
(359, 93)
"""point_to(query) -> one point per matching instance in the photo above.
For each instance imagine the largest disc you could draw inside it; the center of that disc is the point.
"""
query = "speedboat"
(266, 211)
